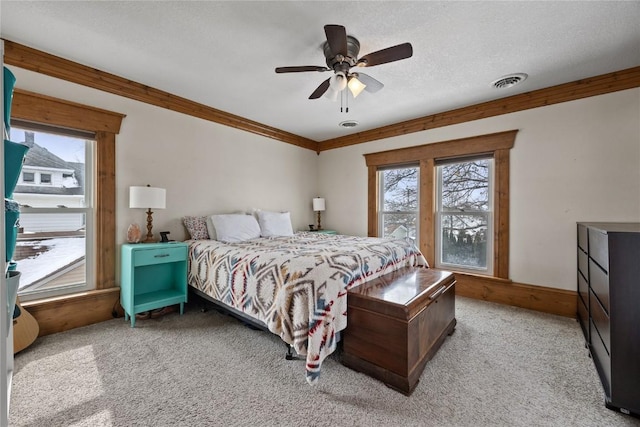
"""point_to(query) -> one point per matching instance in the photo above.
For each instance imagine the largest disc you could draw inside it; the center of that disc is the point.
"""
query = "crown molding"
(54, 66)
(44, 63)
(584, 88)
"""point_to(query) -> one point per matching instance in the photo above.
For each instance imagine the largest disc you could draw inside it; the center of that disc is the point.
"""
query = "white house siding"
(36, 223)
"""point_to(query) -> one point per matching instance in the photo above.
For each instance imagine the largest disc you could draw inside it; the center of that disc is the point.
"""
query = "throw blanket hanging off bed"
(296, 285)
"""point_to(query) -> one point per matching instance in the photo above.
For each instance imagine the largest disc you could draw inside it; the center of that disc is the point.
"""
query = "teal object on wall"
(11, 215)
(9, 82)
(13, 158)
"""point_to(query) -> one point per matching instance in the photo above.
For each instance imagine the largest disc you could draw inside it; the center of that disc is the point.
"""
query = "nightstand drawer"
(159, 255)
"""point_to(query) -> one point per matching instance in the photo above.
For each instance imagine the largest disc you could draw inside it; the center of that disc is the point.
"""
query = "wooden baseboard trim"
(539, 298)
(73, 311)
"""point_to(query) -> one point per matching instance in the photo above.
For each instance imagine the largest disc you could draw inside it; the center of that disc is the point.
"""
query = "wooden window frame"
(496, 144)
(33, 107)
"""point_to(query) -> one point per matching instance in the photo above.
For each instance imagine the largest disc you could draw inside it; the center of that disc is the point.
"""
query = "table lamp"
(318, 206)
(147, 198)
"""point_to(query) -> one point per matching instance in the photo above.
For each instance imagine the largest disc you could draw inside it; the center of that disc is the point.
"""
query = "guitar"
(25, 328)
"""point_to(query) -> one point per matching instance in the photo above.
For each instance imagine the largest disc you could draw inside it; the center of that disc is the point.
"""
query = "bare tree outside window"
(464, 213)
(399, 202)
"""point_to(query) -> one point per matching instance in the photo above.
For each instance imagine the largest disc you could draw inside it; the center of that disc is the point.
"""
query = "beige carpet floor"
(502, 367)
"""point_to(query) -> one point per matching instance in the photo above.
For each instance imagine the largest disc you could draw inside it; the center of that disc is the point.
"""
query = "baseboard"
(73, 311)
(539, 298)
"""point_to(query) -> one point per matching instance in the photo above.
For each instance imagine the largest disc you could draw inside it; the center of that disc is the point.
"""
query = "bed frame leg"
(290, 354)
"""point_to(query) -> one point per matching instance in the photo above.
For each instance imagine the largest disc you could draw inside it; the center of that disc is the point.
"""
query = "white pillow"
(210, 228)
(275, 223)
(235, 228)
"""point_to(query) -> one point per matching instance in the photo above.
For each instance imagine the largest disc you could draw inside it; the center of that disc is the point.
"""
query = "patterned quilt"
(296, 285)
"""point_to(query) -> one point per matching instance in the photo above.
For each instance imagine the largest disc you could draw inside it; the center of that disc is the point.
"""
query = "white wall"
(576, 161)
(205, 167)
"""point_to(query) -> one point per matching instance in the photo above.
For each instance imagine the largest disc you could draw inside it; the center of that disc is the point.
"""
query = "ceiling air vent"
(348, 124)
(509, 80)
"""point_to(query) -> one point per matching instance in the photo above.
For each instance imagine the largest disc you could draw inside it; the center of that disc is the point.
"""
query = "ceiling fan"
(341, 53)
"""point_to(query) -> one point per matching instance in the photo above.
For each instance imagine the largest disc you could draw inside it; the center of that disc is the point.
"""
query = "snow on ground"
(61, 252)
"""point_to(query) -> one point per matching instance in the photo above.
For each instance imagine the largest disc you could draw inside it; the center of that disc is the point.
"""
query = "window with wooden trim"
(54, 249)
(430, 158)
(464, 214)
(398, 206)
(42, 113)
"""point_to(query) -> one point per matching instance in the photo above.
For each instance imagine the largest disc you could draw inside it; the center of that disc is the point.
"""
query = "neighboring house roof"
(40, 157)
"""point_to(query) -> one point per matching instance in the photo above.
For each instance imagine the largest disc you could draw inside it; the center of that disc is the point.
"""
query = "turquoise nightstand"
(323, 231)
(154, 275)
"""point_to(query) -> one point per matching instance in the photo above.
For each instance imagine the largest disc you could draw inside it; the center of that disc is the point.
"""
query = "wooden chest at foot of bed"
(397, 322)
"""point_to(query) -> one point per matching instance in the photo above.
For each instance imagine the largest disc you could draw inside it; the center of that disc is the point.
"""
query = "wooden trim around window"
(37, 108)
(105, 244)
(501, 213)
(372, 229)
(427, 210)
(497, 144)
(66, 312)
(58, 112)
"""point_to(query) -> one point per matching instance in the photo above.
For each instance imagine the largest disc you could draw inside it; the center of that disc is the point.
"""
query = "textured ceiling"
(223, 54)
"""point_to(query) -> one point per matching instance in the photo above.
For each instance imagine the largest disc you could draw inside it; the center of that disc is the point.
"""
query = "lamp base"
(149, 238)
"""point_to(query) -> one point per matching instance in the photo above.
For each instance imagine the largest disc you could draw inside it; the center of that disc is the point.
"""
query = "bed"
(296, 285)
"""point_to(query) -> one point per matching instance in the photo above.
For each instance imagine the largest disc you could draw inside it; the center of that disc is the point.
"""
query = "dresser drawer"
(599, 248)
(583, 289)
(583, 263)
(602, 360)
(601, 321)
(583, 318)
(159, 255)
(599, 282)
(583, 238)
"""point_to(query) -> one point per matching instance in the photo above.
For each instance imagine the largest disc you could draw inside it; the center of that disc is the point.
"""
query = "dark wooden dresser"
(397, 322)
(609, 307)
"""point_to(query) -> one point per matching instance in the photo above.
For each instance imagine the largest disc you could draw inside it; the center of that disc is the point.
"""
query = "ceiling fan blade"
(320, 90)
(372, 84)
(337, 39)
(390, 54)
(301, 68)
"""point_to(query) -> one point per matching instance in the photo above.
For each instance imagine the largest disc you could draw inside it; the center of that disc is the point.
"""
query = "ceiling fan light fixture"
(356, 86)
(331, 94)
(338, 81)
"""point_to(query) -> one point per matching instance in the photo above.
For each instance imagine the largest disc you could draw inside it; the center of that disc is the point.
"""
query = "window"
(28, 177)
(464, 213)
(53, 250)
(41, 113)
(398, 213)
(452, 202)
(45, 178)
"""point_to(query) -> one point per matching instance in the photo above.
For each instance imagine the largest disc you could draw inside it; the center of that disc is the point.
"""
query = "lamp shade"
(338, 81)
(147, 197)
(318, 204)
(356, 86)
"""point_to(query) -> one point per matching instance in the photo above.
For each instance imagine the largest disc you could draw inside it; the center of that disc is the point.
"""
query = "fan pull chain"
(346, 97)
